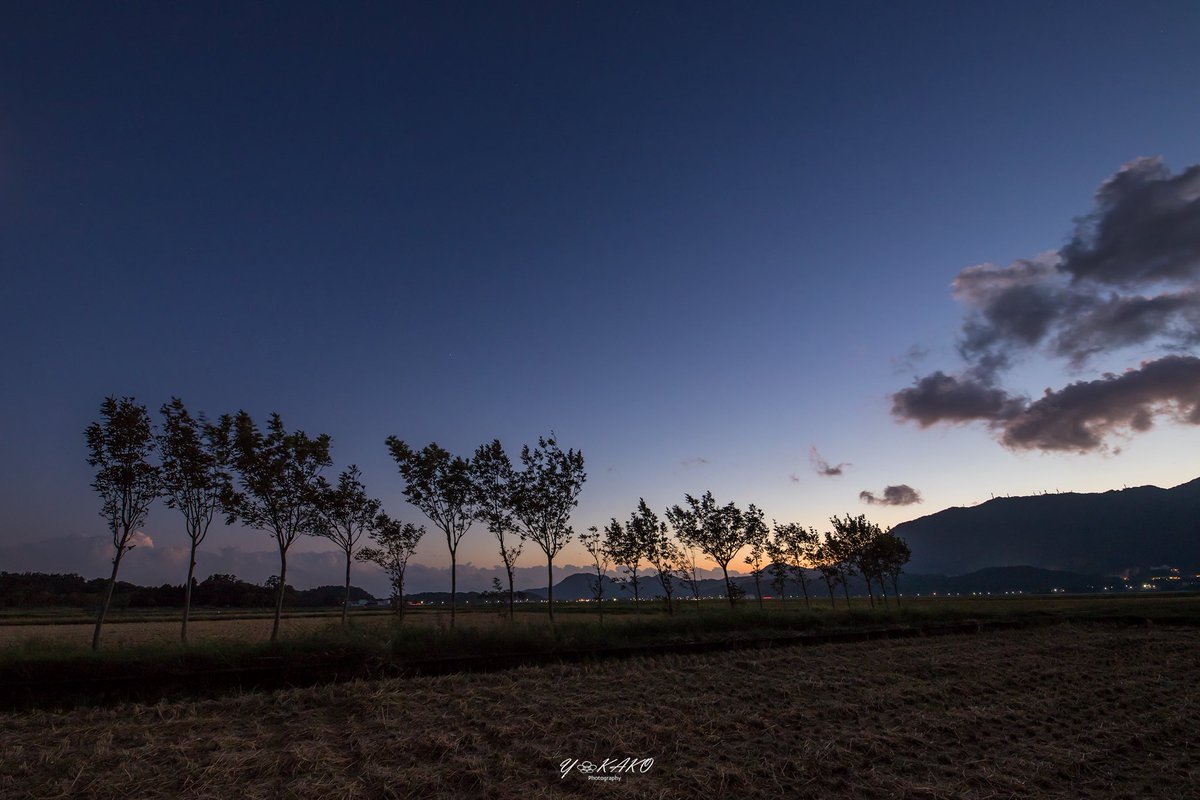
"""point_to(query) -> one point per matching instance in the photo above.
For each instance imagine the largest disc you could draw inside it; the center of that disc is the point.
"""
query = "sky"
(825, 258)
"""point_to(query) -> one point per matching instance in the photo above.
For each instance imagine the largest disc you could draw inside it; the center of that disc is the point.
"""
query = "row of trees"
(643, 548)
(271, 480)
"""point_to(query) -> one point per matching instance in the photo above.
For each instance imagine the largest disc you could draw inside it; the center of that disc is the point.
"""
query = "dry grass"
(153, 632)
(134, 629)
(1067, 711)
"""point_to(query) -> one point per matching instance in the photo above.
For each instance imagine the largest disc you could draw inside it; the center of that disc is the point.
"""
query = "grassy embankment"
(236, 640)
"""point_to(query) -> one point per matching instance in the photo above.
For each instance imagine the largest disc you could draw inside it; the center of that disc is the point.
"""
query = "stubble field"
(1061, 711)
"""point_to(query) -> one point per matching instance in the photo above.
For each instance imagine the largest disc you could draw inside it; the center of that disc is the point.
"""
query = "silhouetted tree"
(839, 551)
(797, 546)
(662, 553)
(346, 514)
(278, 472)
(395, 544)
(756, 531)
(893, 554)
(495, 593)
(826, 563)
(544, 492)
(119, 447)
(854, 536)
(226, 590)
(628, 545)
(719, 532)
(778, 570)
(440, 485)
(687, 571)
(492, 482)
(597, 549)
(871, 560)
(195, 479)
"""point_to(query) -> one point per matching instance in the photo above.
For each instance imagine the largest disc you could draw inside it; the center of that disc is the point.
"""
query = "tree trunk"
(895, 590)
(346, 604)
(279, 598)
(187, 593)
(846, 589)
(453, 586)
(637, 609)
(512, 610)
(829, 585)
(550, 585)
(804, 587)
(870, 591)
(758, 590)
(112, 582)
(728, 585)
(882, 590)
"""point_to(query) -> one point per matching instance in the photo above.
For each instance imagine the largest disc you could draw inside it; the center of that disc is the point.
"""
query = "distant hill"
(40, 589)
(1094, 534)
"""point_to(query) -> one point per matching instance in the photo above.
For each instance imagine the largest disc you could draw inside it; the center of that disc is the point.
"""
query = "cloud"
(823, 467)
(1117, 321)
(1078, 418)
(908, 362)
(1034, 304)
(1145, 228)
(1081, 416)
(141, 539)
(1011, 307)
(940, 398)
(1127, 278)
(901, 495)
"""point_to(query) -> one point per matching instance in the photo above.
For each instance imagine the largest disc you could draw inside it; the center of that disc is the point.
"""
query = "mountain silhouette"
(1104, 533)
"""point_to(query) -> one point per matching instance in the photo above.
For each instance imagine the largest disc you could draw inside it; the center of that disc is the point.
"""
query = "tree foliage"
(395, 544)
(440, 485)
(596, 547)
(119, 448)
(493, 484)
(757, 534)
(796, 547)
(662, 553)
(346, 514)
(627, 545)
(720, 532)
(545, 492)
(278, 474)
(195, 458)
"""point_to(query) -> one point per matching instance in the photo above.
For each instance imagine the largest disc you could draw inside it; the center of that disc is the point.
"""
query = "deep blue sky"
(693, 239)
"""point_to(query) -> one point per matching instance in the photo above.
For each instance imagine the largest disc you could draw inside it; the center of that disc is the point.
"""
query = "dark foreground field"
(1060, 711)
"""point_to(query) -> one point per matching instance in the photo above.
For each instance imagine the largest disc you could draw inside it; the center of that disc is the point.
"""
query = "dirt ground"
(1060, 712)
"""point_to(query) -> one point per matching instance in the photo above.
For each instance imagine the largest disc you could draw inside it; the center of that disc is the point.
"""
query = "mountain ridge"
(1097, 533)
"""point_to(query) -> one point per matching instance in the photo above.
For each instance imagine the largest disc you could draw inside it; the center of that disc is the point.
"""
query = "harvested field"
(155, 631)
(1063, 711)
(21, 628)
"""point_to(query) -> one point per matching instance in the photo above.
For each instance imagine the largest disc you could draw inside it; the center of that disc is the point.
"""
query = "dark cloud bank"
(1128, 277)
(901, 495)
